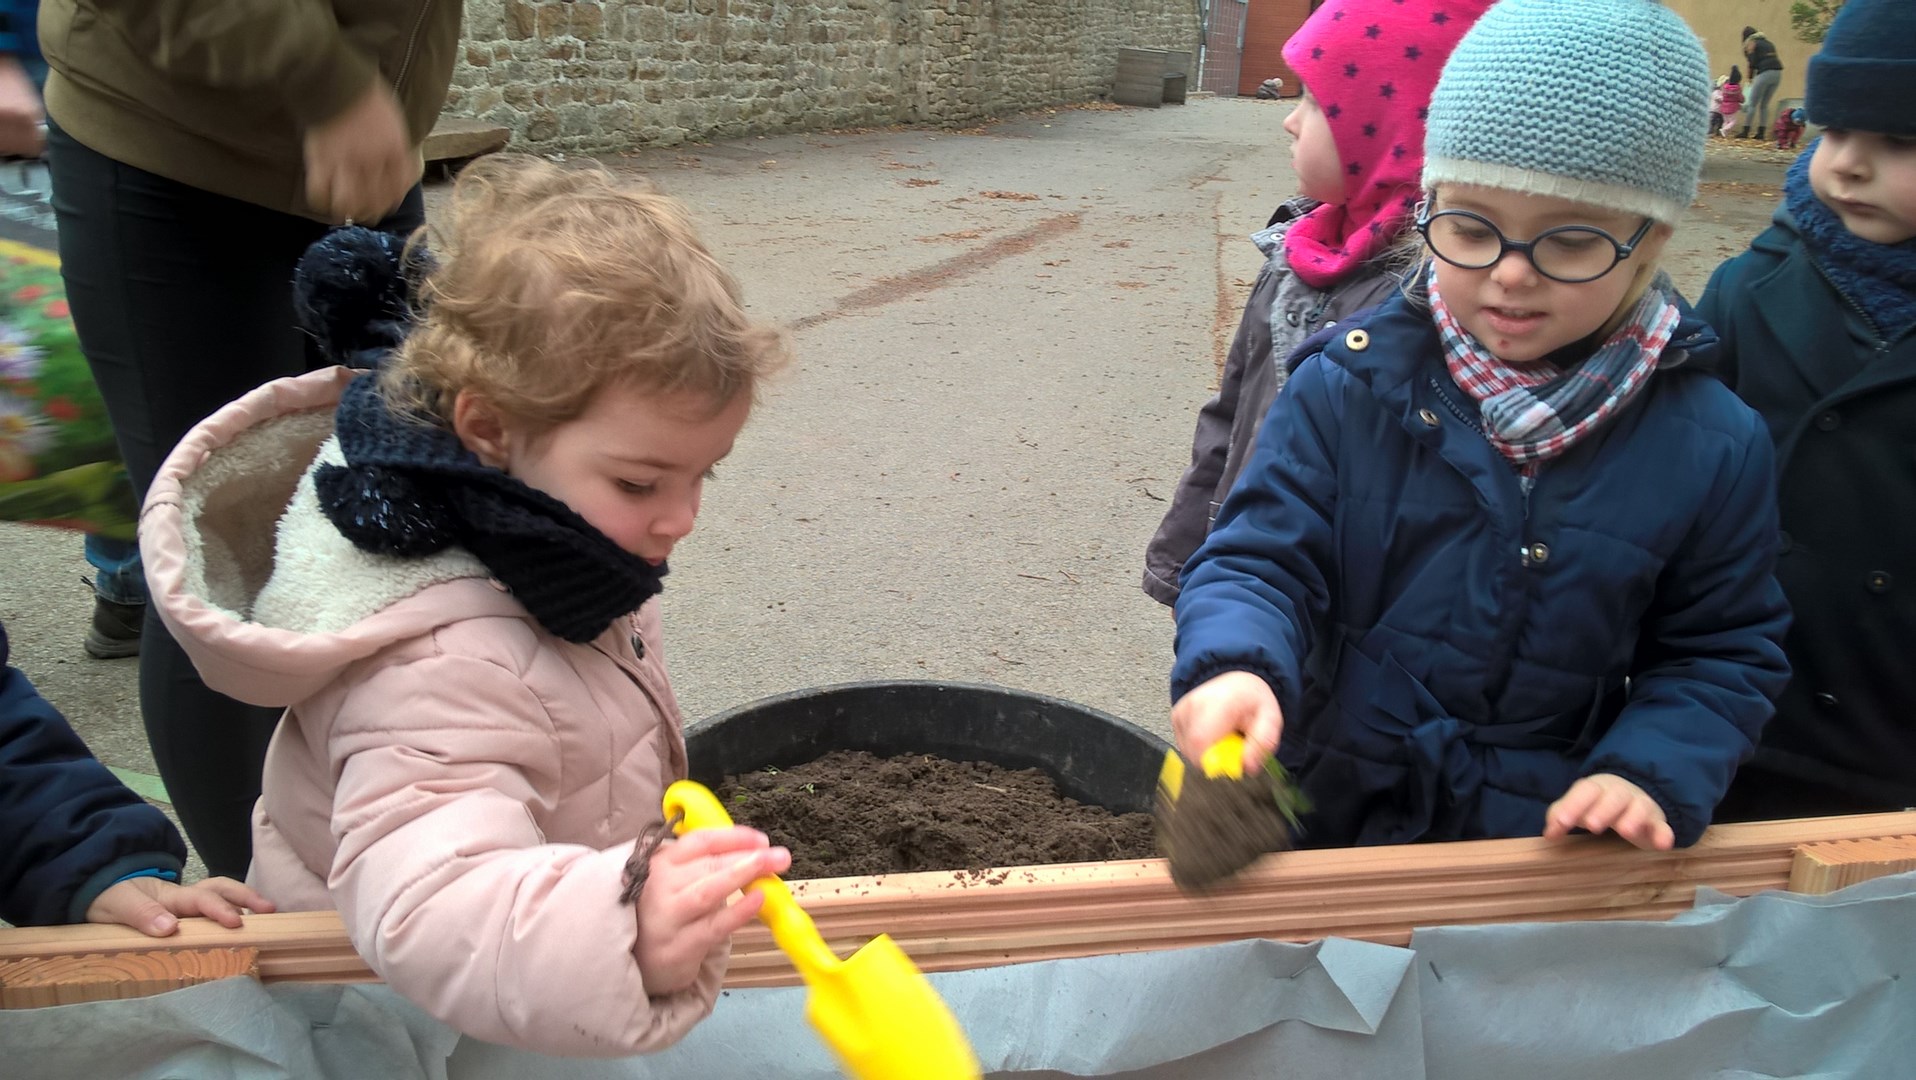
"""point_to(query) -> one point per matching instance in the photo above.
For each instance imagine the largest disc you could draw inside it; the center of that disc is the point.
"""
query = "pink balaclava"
(1371, 65)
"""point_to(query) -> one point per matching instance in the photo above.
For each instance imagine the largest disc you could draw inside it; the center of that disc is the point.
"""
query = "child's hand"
(153, 906)
(1608, 802)
(1236, 702)
(683, 913)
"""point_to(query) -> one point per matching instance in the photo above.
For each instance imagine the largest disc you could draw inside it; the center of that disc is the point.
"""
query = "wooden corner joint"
(1828, 865)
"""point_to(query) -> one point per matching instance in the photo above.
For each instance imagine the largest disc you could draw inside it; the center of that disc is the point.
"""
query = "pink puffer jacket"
(463, 786)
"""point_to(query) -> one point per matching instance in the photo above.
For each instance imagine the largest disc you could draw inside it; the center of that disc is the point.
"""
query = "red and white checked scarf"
(1535, 412)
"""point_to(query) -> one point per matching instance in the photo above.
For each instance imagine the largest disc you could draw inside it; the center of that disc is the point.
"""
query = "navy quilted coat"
(68, 827)
(1452, 651)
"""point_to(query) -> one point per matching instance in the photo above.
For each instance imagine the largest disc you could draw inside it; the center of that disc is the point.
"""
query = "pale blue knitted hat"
(1603, 102)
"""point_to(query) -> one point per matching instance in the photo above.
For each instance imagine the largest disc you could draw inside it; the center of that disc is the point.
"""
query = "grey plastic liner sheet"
(1774, 985)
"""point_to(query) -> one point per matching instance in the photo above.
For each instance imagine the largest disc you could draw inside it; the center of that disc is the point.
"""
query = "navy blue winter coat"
(19, 37)
(1452, 653)
(68, 827)
(1840, 399)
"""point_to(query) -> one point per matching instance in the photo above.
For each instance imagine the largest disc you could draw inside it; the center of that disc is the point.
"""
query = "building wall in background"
(609, 75)
(1720, 24)
(1270, 23)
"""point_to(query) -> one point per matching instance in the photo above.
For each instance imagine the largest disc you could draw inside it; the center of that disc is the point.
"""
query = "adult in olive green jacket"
(311, 107)
(197, 148)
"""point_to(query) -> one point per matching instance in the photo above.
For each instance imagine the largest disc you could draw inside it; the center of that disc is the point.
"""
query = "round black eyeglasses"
(1572, 254)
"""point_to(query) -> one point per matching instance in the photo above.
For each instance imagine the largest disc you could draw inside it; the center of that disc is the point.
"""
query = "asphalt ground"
(1002, 339)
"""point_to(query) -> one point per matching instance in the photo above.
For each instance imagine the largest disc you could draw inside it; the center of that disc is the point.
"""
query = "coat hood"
(268, 600)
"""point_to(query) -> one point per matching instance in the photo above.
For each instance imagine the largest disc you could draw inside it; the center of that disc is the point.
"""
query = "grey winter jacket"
(1282, 312)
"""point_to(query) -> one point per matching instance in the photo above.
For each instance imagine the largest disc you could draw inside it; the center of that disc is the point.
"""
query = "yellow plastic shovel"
(876, 1011)
(1225, 758)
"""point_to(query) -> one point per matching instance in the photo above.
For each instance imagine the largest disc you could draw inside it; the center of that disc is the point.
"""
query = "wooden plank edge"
(1611, 881)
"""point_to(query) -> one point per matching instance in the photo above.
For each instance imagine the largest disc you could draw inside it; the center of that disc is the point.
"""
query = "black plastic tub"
(1094, 757)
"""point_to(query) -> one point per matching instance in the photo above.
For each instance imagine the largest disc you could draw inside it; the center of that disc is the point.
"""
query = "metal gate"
(1223, 47)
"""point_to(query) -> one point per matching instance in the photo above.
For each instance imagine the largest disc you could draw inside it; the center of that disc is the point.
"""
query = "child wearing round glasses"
(1501, 564)
(1367, 68)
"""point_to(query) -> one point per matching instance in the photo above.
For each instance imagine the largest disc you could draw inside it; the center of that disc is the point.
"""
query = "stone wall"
(1720, 24)
(606, 75)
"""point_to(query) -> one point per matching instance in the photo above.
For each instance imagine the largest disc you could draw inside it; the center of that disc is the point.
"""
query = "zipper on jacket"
(1882, 340)
(1526, 481)
(412, 46)
(1457, 410)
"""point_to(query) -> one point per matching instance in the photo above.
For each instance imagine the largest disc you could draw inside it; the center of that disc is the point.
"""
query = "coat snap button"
(1357, 341)
(1291, 317)
(1429, 418)
(1535, 554)
(1829, 421)
(1827, 700)
(1880, 581)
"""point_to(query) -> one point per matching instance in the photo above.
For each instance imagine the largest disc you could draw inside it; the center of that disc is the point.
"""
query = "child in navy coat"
(75, 844)
(1502, 564)
(1819, 330)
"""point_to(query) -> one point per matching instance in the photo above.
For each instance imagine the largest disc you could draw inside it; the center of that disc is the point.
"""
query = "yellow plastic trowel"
(876, 1011)
(1219, 821)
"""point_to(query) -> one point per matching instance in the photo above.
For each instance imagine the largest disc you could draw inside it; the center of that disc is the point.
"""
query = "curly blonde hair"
(552, 282)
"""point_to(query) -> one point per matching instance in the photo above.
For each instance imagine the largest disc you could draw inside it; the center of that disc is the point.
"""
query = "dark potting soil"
(851, 814)
(1218, 826)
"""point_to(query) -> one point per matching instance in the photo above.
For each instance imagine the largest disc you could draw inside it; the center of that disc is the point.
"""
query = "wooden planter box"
(950, 920)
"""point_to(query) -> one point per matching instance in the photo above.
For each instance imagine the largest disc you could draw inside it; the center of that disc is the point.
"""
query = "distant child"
(1368, 67)
(1501, 564)
(76, 845)
(445, 572)
(1729, 101)
(1819, 330)
(1789, 128)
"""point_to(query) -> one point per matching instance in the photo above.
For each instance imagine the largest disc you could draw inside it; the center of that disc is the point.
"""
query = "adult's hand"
(23, 131)
(361, 163)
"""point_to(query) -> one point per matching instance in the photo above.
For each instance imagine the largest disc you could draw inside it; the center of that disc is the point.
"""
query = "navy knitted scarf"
(411, 488)
(1879, 278)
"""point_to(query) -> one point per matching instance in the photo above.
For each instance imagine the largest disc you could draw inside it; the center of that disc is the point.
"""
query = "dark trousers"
(182, 301)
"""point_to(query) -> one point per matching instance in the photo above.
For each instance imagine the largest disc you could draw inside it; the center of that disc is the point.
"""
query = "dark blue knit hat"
(1865, 77)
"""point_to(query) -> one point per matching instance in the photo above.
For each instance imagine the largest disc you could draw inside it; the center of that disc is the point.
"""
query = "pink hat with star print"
(1371, 65)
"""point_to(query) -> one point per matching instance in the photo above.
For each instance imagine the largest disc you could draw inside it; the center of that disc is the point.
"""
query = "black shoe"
(115, 633)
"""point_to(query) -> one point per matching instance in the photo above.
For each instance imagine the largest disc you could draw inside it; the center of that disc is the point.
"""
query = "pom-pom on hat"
(1519, 109)
(353, 292)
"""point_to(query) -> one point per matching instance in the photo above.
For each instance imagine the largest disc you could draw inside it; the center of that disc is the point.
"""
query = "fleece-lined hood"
(267, 598)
